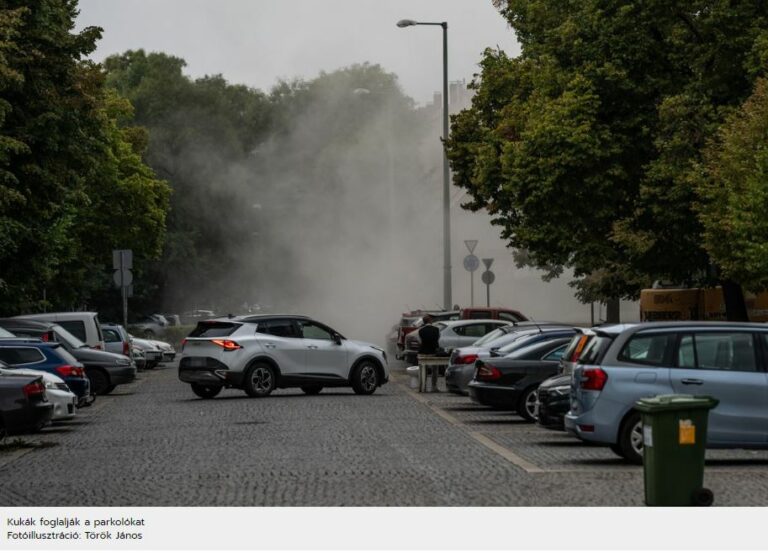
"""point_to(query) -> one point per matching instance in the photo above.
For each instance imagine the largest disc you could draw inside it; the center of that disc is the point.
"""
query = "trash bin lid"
(675, 402)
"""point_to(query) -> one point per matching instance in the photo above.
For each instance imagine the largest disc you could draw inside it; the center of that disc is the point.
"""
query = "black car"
(511, 382)
(24, 407)
(553, 401)
(104, 369)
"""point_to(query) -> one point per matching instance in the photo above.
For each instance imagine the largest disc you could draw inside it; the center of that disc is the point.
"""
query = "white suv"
(258, 353)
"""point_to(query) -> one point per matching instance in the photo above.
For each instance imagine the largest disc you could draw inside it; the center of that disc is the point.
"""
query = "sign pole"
(472, 289)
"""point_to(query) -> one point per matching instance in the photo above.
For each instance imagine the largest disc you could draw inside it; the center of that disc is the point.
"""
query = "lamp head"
(406, 23)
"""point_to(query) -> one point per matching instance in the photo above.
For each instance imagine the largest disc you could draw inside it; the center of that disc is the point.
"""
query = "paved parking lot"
(154, 443)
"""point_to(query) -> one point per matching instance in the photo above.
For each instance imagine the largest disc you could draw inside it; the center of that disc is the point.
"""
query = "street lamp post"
(447, 302)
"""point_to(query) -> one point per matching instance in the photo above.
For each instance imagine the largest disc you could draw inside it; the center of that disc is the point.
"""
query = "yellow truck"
(695, 304)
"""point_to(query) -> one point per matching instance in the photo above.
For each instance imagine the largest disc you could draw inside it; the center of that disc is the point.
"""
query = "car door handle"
(312, 347)
(270, 346)
(692, 381)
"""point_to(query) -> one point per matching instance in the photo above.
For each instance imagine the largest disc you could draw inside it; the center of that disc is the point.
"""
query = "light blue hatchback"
(624, 363)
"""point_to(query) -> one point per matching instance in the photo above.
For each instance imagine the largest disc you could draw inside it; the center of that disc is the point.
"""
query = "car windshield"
(492, 335)
(70, 340)
(514, 342)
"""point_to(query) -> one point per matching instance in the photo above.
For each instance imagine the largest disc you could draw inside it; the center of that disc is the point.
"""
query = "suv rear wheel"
(206, 391)
(630, 443)
(259, 380)
(365, 377)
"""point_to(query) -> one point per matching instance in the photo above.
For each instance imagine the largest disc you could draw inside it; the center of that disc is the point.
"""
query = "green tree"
(733, 188)
(64, 160)
(582, 147)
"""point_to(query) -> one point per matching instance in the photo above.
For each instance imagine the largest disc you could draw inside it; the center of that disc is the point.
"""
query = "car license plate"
(197, 361)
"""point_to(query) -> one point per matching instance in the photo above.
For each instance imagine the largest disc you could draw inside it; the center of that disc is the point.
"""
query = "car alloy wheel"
(365, 380)
(527, 406)
(259, 380)
(630, 442)
(636, 438)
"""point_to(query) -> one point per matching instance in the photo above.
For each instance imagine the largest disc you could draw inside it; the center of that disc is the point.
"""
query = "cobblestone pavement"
(154, 443)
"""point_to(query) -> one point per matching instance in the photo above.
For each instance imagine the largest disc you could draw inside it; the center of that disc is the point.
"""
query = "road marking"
(479, 437)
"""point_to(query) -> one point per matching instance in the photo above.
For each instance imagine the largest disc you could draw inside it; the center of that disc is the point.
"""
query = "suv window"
(647, 349)
(313, 331)
(283, 328)
(593, 352)
(724, 351)
(74, 327)
(20, 356)
(509, 317)
(480, 315)
(213, 329)
(470, 330)
(111, 335)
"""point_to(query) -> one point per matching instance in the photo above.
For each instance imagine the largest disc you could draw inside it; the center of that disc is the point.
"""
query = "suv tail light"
(227, 345)
(66, 371)
(48, 337)
(34, 389)
(487, 372)
(593, 378)
(465, 359)
(126, 349)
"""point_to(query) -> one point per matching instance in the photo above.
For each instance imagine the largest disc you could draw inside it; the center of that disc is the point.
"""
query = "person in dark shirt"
(429, 335)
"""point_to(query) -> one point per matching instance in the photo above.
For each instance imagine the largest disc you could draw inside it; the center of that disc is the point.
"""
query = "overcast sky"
(257, 42)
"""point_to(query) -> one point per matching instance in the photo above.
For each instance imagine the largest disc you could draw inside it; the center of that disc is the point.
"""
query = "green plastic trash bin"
(674, 443)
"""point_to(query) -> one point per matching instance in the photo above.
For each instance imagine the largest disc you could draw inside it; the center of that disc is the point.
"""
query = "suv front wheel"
(365, 377)
(259, 380)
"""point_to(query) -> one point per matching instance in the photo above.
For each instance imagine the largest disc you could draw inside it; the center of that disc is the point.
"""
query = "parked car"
(167, 350)
(104, 369)
(150, 326)
(624, 363)
(61, 397)
(511, 382)
(414, 320)
(501, 313)
(118, 340)
(84, 325)
(461, 369)
(153, 355)
(49, 357)
(259, 353)
(195, 315)
(553, 396)
(24, 406)
(553, 400)
(453, 334)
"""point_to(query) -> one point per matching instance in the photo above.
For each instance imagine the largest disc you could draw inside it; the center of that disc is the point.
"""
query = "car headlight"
(562, 390)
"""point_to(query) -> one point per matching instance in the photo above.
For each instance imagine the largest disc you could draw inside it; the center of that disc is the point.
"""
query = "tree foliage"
(63, 161)
(583, 147)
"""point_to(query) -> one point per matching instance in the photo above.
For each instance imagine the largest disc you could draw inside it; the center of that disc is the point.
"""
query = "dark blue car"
(50, 357)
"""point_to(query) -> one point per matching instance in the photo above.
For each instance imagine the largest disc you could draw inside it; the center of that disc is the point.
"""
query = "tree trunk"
(735, 307)
(613, 311)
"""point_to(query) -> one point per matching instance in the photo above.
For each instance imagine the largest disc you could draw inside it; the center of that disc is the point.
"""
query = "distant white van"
(82, 324)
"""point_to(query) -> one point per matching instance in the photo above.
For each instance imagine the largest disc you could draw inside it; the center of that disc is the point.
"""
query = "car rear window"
(76, 328)
(647, 349)
(20, 355)
(595, 350)
(214, 329)
(111, 336)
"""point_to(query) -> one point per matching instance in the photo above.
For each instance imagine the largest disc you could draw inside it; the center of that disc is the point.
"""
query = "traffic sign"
(122, 259)
(488, 277)
(471, 245)
(471, 263)
(123, 278)
(488, 261)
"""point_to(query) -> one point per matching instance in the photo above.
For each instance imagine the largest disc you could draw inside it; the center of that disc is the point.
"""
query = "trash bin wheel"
(703, 497)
